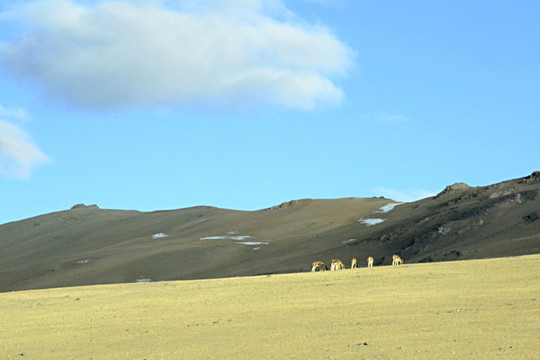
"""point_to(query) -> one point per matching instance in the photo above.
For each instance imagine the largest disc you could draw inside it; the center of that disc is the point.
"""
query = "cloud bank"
(113, 54)
(18, 153)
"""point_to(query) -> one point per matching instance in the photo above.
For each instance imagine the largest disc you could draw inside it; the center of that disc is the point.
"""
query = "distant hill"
(88, 245)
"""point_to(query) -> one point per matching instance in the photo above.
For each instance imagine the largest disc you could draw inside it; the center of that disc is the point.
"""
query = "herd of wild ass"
(337, 264)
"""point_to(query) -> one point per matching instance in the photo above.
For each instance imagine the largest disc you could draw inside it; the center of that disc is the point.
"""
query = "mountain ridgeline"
(87, 245)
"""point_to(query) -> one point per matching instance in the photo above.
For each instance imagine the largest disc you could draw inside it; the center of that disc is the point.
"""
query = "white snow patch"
(443, 230)
(84, 261)
(159, 236)
(240, 238)
(388, 207)
(214, 238)
(371, 222)
(350, 241)
(252, 243)
(227, 237)
(143, 280)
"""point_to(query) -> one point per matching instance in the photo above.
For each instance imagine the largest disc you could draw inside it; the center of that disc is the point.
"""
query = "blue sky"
(244, 104)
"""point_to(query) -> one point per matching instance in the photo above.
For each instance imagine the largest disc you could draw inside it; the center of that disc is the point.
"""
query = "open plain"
(475, 309)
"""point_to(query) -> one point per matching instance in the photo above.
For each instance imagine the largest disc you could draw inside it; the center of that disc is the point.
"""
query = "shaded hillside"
(88, 245)
(465, 222)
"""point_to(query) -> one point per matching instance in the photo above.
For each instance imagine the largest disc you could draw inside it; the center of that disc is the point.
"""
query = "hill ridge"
(90, 245)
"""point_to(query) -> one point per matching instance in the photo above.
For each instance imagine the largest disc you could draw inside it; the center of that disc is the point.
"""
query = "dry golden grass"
(483, 309)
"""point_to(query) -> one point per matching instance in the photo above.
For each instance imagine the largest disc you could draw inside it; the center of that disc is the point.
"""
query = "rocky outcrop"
(289, 204)
(453, 188)
(534, 178)
(83, 206)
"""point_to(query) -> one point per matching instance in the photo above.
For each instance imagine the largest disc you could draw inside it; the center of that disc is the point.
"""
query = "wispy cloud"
(19, 155)
(113, 54)
(384, 117)
(16, 113)
(402, 195)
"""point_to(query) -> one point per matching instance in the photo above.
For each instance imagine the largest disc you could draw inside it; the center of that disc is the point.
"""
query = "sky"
(245, 104)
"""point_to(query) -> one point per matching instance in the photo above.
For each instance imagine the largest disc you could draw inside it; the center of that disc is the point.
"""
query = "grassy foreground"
(482, 309)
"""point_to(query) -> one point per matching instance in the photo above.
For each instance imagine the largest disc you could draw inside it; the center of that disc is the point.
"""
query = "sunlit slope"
(88, 245)
(481, 309)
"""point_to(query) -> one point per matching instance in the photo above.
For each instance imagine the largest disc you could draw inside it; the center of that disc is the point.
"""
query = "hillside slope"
(87, 245)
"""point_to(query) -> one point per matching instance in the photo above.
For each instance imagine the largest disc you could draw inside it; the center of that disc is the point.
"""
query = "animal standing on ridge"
(319, 266)
(396, 260)
(354, 263)
(337, 264)
(370, 261)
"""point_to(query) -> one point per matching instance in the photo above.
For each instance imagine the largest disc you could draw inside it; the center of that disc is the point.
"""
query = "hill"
(479, 309)
(88, 245)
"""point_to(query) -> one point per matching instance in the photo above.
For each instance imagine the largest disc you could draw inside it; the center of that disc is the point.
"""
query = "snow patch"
(240, 239)
(84, 261)
(213, 238)
(159, 236)
(227, 237)
(388, 207)
(252, 243)
(443, 230)
(142, 280)
(371, 222)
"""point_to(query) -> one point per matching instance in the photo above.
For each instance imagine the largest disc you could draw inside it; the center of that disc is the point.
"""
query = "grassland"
(479, 309)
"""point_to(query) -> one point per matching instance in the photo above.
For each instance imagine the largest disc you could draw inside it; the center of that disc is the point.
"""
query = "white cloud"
(122, 53)
(404, 196)
(18, 153)
(13, 113)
